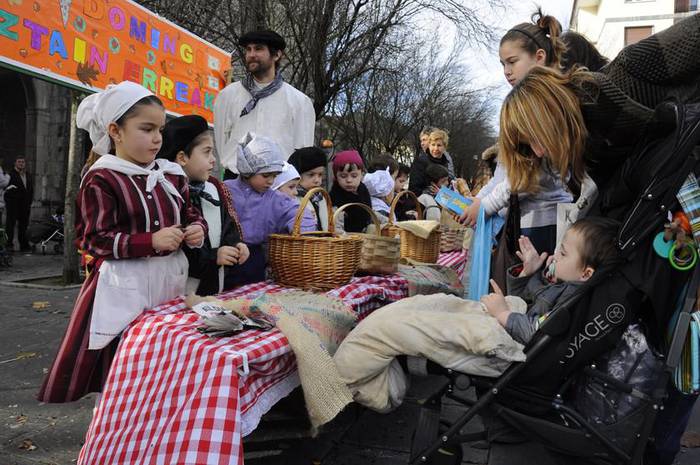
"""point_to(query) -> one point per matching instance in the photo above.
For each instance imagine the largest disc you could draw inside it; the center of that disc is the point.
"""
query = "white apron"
(127, 287)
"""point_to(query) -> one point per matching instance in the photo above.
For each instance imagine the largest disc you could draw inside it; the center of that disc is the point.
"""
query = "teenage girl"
(523, 47)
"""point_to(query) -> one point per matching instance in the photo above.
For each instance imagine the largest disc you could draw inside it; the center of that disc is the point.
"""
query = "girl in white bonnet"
(380, 185)
(261, 209)
(134, 216)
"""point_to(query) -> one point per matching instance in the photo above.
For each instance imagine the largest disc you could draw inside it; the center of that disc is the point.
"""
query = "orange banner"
(89, 44)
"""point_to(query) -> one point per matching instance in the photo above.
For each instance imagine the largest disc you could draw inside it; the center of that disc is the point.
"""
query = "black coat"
(20, 195)
(202, 261)
(356, 220)
(417, 179)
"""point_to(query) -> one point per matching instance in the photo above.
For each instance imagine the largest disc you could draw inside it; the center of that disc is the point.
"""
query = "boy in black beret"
(311, 162)
(216, 265)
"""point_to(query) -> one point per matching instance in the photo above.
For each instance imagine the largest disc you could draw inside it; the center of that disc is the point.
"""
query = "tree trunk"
(254, 14)
(71, 273)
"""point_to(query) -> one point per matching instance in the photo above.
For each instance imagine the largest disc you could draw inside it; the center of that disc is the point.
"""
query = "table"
(174, 395)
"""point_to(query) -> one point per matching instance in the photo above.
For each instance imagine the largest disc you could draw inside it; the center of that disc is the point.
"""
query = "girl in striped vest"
(134, 216)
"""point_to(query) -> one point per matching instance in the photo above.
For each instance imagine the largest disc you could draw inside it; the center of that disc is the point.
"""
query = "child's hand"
(532, 261)
(227, 255)
(167, 239)
(434, 188)
(496, 304)
(194, 235)
(244, 253)
(471, 212)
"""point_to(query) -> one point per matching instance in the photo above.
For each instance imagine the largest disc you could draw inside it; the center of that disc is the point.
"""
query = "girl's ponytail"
(551, 28)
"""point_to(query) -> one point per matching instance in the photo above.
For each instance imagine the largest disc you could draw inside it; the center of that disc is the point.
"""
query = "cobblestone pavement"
(32, 322)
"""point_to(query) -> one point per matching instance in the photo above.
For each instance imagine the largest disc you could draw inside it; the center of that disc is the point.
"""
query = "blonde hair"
(425, 132)
(543, 108)
(439, 134)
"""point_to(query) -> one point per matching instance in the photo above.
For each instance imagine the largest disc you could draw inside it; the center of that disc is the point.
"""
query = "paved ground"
(32, 322)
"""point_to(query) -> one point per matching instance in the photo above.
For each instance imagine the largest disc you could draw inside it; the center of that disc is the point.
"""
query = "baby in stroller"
(589, 244)
(457, 333)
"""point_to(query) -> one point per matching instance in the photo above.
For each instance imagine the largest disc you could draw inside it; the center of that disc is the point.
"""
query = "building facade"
(35, 124)
(612, 24)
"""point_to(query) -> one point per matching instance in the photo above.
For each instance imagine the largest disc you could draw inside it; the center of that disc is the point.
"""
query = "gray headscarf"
(258, 155)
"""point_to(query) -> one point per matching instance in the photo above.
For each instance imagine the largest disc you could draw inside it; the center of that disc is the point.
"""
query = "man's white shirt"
(287, 116)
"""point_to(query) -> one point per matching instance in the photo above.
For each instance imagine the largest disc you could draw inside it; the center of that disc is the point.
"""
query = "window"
(684, 6)
(637, 33)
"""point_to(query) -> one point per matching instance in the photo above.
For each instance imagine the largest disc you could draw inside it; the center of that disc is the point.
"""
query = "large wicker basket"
(412, 246)
(320, 260)
(380, 254)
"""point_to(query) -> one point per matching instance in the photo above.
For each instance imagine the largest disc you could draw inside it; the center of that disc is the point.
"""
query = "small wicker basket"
(412, 246)
(380, 254)
(451, 238)
(452, 233)
(320, 260)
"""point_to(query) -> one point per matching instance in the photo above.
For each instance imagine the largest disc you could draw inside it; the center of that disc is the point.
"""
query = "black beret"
(265, 37)
(307, 159)
(179, 133)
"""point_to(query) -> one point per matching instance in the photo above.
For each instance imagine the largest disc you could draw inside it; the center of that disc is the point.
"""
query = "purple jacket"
(263, 214)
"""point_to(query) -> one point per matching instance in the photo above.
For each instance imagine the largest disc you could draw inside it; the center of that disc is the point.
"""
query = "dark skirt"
(252, 271)
(77, 371)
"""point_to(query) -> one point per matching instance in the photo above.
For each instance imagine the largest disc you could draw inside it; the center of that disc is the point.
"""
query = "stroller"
(544, 400)
(42, 232)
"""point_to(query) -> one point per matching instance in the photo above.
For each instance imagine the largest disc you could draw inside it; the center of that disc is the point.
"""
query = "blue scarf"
(249, 85)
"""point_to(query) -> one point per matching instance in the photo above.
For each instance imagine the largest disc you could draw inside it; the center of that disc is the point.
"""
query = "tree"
(331, 43)
(360, 62)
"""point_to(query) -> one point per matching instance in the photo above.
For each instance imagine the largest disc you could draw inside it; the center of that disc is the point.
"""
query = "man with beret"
(262, 103)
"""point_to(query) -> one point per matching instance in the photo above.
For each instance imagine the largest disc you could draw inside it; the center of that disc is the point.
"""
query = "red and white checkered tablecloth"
(174, 395)
(456, 260)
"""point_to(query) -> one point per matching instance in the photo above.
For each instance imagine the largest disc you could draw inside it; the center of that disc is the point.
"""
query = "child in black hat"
(213, 267)
(311, 162)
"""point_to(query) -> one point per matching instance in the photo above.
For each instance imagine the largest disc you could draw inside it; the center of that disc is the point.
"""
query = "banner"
(88, 44)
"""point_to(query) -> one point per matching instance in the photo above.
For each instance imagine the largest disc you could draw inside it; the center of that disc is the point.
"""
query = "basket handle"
(296, 229)
(371, 212)
(419, 207)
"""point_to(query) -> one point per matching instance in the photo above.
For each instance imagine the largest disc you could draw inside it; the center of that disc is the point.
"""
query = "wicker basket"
(380, 254)
(451, 238)
(452, 233)
(319, 260)
(412, 246)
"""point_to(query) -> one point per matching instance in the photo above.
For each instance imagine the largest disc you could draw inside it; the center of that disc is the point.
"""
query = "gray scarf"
(249, 85)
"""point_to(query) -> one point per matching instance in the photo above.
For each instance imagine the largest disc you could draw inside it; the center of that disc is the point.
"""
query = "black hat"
(179, 133)
(265, 37)
(307, 159)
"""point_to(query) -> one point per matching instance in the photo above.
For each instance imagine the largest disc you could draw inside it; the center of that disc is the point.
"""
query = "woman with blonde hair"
(556, 137)
(541, 146)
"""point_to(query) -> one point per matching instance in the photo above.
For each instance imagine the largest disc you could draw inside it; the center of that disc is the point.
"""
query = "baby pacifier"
(549, 272)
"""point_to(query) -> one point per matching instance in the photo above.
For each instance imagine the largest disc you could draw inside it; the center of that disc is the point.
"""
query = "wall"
(604, 24)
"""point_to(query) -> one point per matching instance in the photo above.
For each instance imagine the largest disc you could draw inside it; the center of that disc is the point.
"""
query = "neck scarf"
(197, 193)
(155, 172)
(249, 85)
